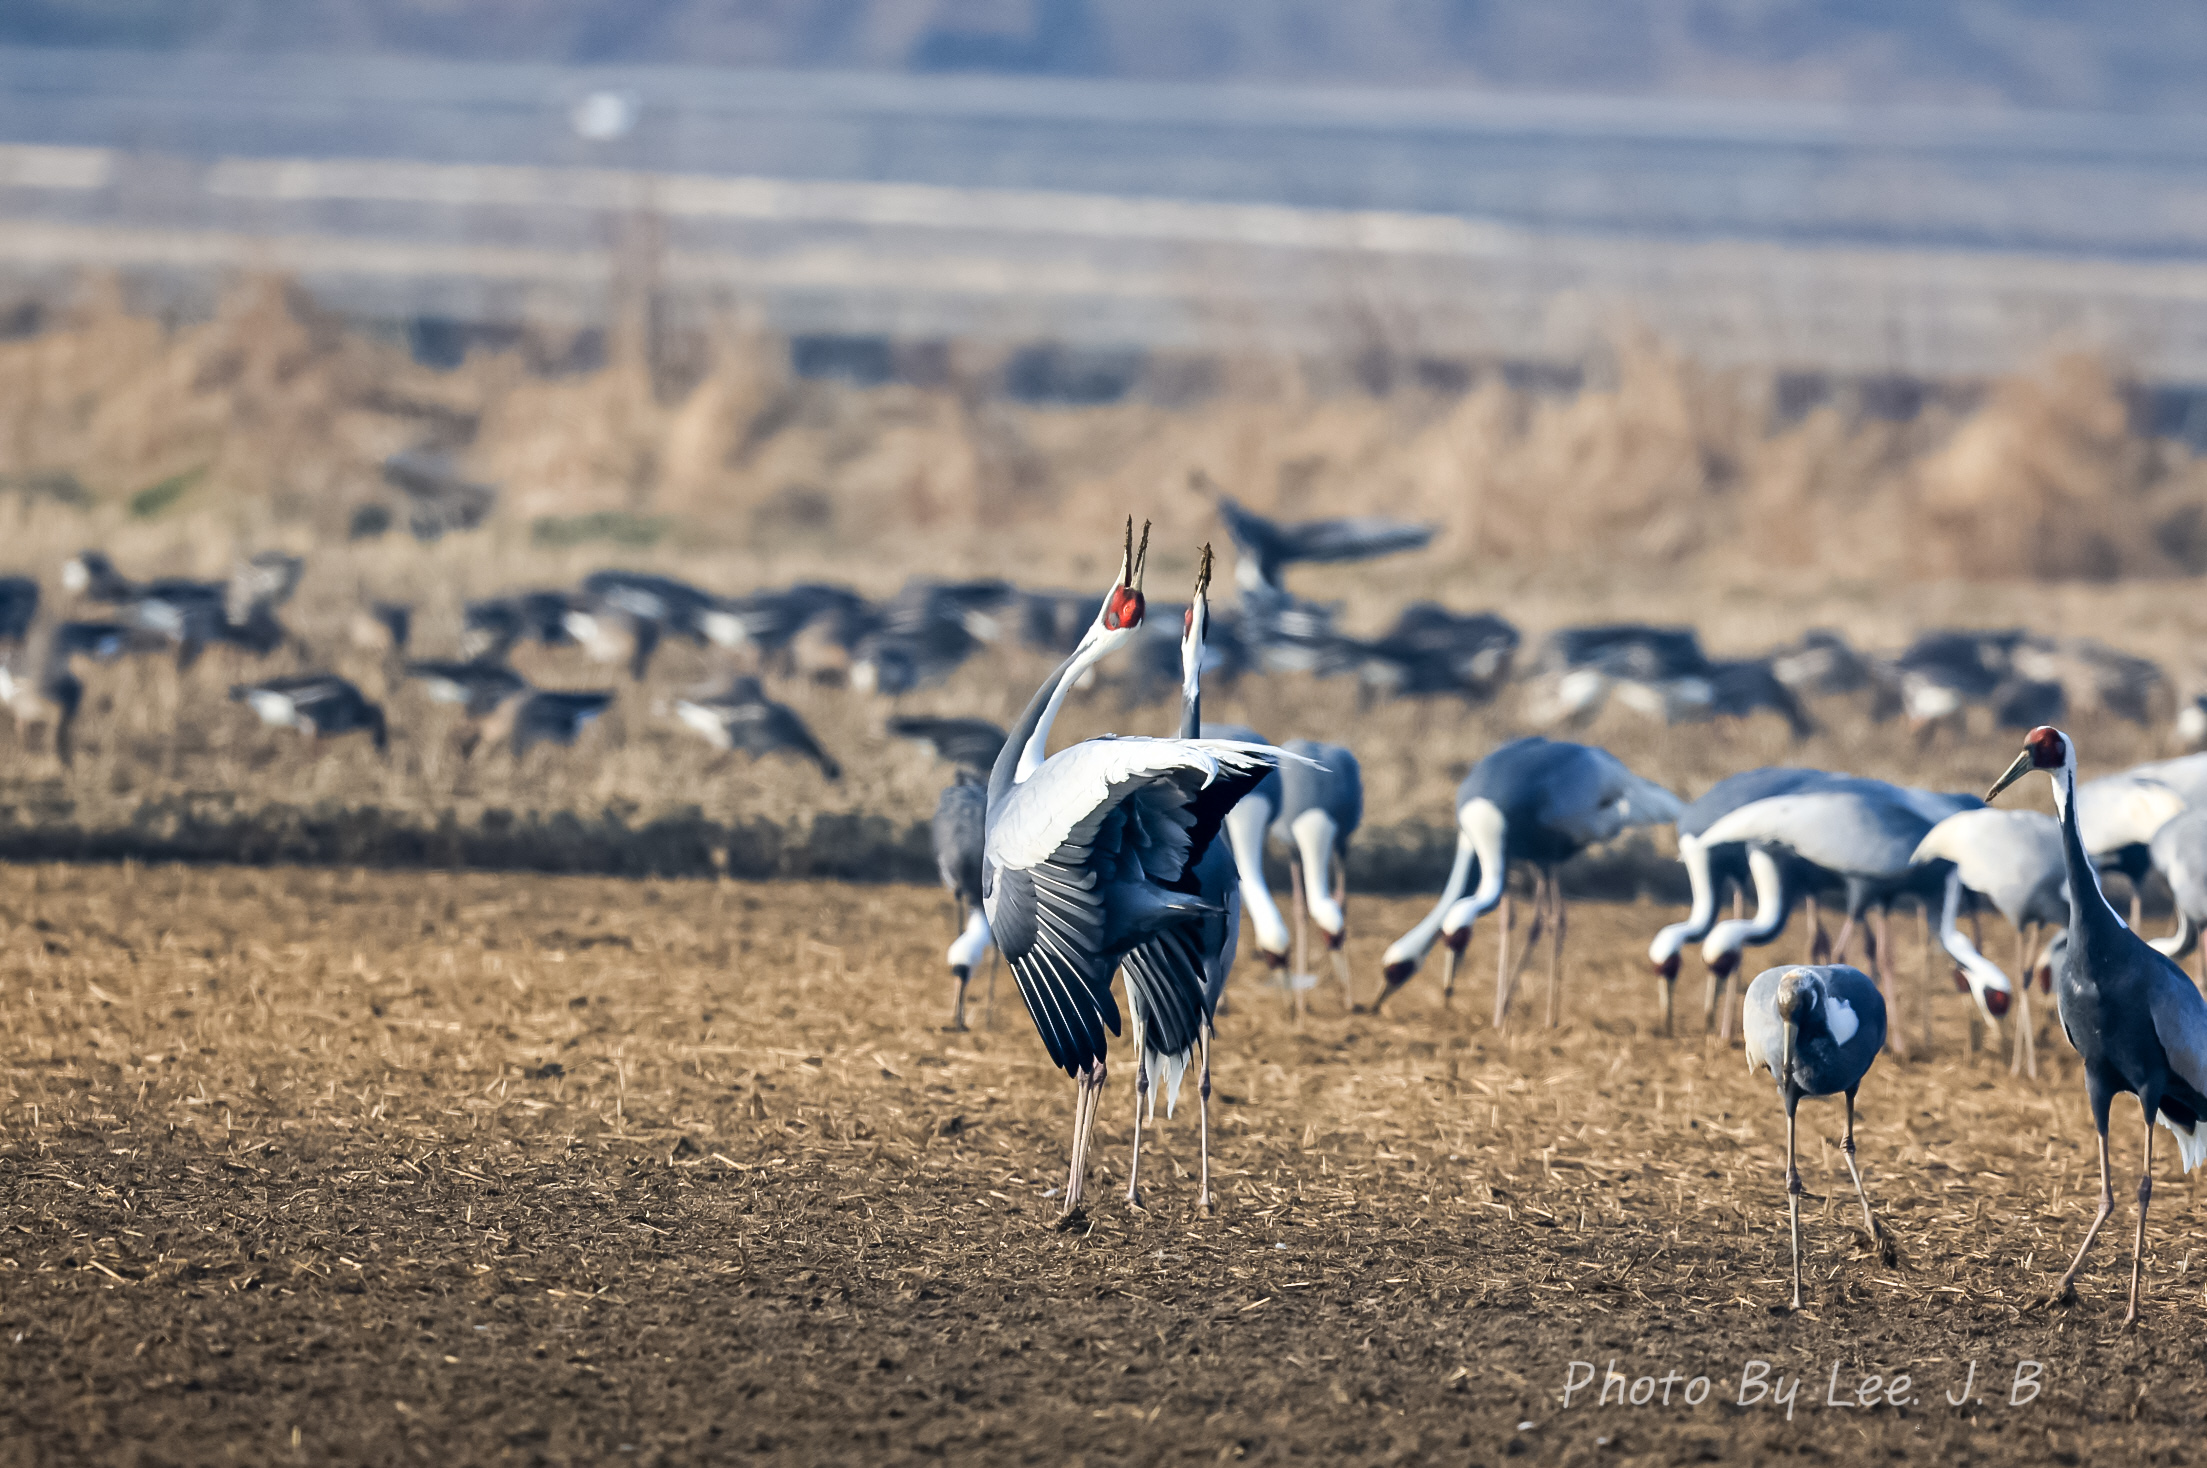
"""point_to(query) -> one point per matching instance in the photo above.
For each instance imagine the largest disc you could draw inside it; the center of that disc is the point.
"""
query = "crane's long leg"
(1555, 950)
(1846, 1148)
(1793, 1200)
(1880, 936)
(2145, 1196)
(1923, 975)
(1203, 1124)
(1820, 943)
(2107, 1206)
(1340, 948)
(1141, 1094)
(994, 959)
(1508, 990)
(1084, 1121)
(2025, 1060)
(1503, 926)
(1302, 937)
(958, 1005)
(1716, 997)
(1844, 943)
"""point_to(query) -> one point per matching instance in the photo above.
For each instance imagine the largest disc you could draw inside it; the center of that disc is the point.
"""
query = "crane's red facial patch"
(2048, 749)
(1187, 621)
(1123, 609)
(1996, 1002)
(1961, 982)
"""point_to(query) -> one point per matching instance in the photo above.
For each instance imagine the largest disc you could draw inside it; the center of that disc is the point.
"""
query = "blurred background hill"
(2138, 57)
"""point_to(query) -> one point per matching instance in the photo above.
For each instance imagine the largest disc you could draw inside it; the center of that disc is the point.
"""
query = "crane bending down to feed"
(1089, 852)
(1817, 1030)
(1246, 825)
(1863, 831)
(2130, 1012)
(1321, 805)
(1533, 800)
(2013, 858)
(1711, 868)
(1192, 955)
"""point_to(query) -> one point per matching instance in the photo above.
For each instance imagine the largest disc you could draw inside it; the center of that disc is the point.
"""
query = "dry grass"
(331, 1167)
(1662, 492)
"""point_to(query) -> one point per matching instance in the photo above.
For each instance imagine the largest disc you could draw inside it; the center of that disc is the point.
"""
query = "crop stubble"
(330, 1166)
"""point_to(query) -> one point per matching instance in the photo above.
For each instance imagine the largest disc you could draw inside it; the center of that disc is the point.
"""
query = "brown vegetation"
(1660, 492)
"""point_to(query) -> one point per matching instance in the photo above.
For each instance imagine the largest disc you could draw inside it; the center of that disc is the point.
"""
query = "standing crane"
(1817, 1030)
(1197, 952)
(1534, 800)
(2131, 1014)
(1088, 853)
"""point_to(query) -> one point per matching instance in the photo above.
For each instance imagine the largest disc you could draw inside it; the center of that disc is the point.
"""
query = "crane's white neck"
(1695, 858)
(1245, 828)
(1314, 834)
(1772, 904)
(1488, 828)
(1094, 649)
(1412, 946)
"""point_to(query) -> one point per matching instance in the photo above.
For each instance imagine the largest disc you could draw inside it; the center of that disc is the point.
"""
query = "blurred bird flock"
(1651, 491)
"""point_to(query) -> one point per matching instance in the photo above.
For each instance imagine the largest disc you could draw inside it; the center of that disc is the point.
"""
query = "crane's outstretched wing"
(1092, 854)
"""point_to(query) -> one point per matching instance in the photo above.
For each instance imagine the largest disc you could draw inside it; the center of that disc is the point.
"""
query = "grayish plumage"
(1321, 805)
(1817, 1030)
(2131, 1014)
(957, 831)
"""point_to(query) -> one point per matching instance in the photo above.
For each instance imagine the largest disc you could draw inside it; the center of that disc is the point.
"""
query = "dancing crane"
(2130, 1012)
(1196, 953)
(1534, 800)
(1087, 854)
(1817, 1030)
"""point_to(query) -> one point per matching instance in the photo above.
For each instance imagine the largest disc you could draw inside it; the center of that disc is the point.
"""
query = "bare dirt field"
(319, 1166)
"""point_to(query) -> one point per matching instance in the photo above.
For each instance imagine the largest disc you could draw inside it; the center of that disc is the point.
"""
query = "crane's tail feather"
(1169, 1070)
(2191, 1141)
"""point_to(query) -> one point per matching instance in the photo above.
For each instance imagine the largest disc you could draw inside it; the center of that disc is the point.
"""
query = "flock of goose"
(1136, 857)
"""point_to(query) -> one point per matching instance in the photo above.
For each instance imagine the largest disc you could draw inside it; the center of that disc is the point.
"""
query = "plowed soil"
(315, 1167)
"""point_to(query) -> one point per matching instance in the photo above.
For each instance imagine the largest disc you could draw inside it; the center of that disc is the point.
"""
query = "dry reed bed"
(353, 1167)
(1661, 492)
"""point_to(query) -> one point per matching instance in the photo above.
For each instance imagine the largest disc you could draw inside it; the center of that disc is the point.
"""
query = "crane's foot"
(1072, 1218)
(1134, 1200)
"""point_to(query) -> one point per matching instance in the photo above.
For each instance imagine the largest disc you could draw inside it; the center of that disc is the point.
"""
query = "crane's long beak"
(1785, 1052)
(2016, 771)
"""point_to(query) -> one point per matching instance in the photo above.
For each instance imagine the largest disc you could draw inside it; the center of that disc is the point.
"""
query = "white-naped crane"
(1090, 852)
(2180, 854)
(961, 818)
(2137, 1021)
(1864, 832)
(1817, 1029)
(1540, 802)
(1711, 869)
(1321, 805)
(1246, 827)
(1195, 952)
(2011, 858)
(742, 717)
